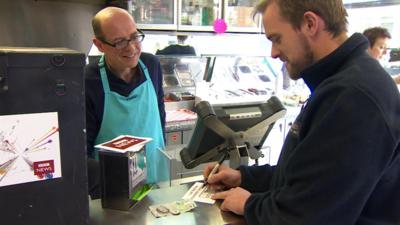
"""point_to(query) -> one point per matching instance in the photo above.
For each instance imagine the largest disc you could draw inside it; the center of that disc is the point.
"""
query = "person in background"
(124, 94)
(178, 49)
(340, 161)
(378, 38)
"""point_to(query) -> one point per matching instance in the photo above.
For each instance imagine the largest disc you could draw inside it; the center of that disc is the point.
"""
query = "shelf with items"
(198, 15)
(238, 16)
(154, 14)
(195, 15)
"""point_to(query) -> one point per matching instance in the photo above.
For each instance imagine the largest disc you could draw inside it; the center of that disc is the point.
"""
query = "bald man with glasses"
(124, 93)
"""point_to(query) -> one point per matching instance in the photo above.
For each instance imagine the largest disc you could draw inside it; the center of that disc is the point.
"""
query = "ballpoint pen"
(214, 169)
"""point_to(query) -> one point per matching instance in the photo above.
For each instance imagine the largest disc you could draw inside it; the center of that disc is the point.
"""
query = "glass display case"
(238, 16)
(239, 79)
(392, 66)
(180, 75)
(154, 14)
(198, 15)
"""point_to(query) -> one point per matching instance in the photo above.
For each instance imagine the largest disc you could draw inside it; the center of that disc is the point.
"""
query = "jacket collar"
(331, 64)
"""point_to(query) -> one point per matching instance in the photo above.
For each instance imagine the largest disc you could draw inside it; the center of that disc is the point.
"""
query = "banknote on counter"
(172, 208)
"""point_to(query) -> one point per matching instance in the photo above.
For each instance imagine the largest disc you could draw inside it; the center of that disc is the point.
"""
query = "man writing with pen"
(340, 161)
(214, 169)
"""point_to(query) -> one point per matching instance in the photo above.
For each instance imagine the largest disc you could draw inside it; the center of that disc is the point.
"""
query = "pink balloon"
(220, 26)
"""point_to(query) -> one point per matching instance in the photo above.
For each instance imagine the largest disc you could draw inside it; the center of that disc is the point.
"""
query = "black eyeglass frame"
(125, 41)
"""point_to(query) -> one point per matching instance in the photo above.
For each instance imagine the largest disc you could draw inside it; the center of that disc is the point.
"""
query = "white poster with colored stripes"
(29, 148)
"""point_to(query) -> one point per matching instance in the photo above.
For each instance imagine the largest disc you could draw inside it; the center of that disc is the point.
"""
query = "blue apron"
(137, 115)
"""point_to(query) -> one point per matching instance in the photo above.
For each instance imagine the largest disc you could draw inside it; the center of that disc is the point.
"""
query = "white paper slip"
(198, 193)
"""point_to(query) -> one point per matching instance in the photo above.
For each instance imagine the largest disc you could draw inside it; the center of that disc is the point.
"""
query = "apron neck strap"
(103, 75)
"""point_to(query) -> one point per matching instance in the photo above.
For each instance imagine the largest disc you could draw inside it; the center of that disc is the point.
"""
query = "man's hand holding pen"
(228, 180)
(223, 179)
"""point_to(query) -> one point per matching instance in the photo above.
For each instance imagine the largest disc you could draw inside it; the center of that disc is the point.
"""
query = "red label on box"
(42, 168)
(124, 142)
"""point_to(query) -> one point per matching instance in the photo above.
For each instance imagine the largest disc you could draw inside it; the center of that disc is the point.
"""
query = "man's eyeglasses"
(120, 44)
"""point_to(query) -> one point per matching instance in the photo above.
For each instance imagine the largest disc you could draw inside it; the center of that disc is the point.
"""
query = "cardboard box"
(123, 178)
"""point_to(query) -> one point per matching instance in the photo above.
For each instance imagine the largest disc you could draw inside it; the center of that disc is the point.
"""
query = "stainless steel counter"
(204, 214)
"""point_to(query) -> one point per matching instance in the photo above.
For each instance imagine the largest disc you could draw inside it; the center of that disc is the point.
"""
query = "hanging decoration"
(220, 26)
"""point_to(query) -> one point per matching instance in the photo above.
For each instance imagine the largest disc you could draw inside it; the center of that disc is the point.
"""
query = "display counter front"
(203, 214)
(180, 75)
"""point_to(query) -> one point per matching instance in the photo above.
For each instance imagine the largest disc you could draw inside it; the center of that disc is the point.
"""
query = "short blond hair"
(331, 11)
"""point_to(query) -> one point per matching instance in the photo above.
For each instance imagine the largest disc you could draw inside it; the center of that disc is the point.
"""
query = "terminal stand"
(239, 145)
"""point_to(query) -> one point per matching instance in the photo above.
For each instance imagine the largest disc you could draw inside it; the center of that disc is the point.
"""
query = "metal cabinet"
(42, 137)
